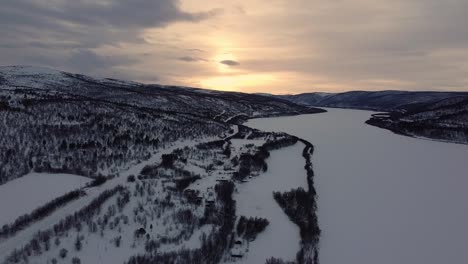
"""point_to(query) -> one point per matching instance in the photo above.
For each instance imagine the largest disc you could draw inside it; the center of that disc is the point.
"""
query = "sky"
(264, 46)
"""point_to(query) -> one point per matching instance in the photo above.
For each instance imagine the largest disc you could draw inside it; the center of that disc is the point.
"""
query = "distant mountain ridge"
(367, 100)
(445, 120)
(436, 115)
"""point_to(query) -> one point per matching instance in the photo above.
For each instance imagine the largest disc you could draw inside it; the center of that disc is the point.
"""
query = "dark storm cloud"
(121, 14)
(64, 31)
(230, 62)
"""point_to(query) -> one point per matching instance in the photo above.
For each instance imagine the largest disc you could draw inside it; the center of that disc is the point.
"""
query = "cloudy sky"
(275, 46)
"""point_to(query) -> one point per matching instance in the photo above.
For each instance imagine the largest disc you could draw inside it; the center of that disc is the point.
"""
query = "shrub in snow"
(63, 253)
(131, 178)
(78, 244)
(168, 160)
(249, 228)
(99, 180)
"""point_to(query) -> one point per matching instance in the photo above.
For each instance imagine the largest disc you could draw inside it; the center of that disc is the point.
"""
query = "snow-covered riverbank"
(383, 198)
(255, 199)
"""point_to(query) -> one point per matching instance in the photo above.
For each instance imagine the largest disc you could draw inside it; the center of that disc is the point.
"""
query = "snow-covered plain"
(22, 195)
(383, 198)
(255, 199)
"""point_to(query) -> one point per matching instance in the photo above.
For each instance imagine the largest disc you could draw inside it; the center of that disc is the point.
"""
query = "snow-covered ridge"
(28, 70)
(379, 100)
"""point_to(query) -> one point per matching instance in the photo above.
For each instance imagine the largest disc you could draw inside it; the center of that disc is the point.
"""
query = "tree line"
(39, 213)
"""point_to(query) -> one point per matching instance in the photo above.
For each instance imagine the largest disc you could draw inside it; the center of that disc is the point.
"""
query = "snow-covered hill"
(207, 103)
(70, 123)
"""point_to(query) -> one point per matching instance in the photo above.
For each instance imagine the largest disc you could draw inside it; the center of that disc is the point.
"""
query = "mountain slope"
(62, 122)
(207, 103)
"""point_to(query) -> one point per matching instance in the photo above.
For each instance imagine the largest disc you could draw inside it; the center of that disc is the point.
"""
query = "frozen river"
(383, 198)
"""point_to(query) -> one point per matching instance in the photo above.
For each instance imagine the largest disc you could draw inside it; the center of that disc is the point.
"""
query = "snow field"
(22, 195)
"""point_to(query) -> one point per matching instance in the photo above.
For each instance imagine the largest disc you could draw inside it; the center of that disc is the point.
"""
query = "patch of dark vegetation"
(131, 178)
(280, 143)
(167, 160)
(249, 163)
(26, 220)
(193, 196)
(307, 154)
(239, 119)
(151, 171)
(299, 207)
(445, 120)
(98, 181)
(227, 149)
(421, 129)
(217, 144)
(183, 183)
(212, 247)
(249, 228)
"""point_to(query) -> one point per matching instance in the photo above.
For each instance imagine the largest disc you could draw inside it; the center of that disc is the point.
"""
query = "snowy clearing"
(22, 195)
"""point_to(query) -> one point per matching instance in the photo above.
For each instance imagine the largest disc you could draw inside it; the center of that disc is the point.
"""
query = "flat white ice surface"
(383, 198)
(22, 195)
(255, 199)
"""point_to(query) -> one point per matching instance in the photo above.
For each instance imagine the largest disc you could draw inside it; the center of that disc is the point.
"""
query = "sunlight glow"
(244, 82)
